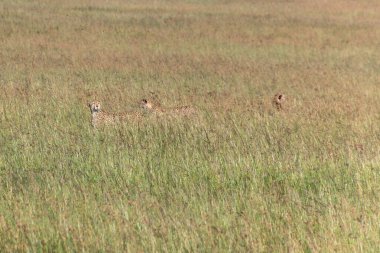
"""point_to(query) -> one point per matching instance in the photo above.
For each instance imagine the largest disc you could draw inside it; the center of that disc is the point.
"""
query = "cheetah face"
(94, 106)
(280, 98)
(145, 104)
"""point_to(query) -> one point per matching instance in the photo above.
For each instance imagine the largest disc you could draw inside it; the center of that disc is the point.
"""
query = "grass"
(240, 176)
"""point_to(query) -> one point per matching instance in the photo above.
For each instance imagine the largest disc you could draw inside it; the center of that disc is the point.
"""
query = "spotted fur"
(99, 117)
(155, 108)
(278, 101)
(183, 110)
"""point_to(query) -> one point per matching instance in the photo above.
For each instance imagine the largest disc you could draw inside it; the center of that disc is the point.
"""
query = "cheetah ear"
(144, 101)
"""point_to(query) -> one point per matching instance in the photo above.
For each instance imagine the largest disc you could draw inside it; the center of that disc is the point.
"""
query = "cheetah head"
(94, 106)
(279, 98)
(145, 104)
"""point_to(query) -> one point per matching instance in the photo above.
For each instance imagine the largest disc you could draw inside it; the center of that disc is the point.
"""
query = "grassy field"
(239, 176)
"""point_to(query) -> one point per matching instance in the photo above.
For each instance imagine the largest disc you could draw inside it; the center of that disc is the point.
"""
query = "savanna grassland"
(237, 177)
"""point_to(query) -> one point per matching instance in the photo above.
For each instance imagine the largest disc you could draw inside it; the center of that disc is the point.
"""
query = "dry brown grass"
(238, 177)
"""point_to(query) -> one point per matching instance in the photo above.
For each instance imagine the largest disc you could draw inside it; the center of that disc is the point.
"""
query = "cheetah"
(145, 104)
(99, 117)
(278, 101)
(183, 110)
(149, 106)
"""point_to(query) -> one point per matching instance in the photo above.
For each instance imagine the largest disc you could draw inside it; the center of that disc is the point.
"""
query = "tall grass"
(237, 177)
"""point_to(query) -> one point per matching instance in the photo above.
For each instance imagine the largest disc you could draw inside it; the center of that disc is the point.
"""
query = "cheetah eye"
(280, 97)
(145, 101)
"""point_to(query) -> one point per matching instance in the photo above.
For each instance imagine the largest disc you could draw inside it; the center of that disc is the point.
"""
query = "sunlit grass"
(237, 177)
